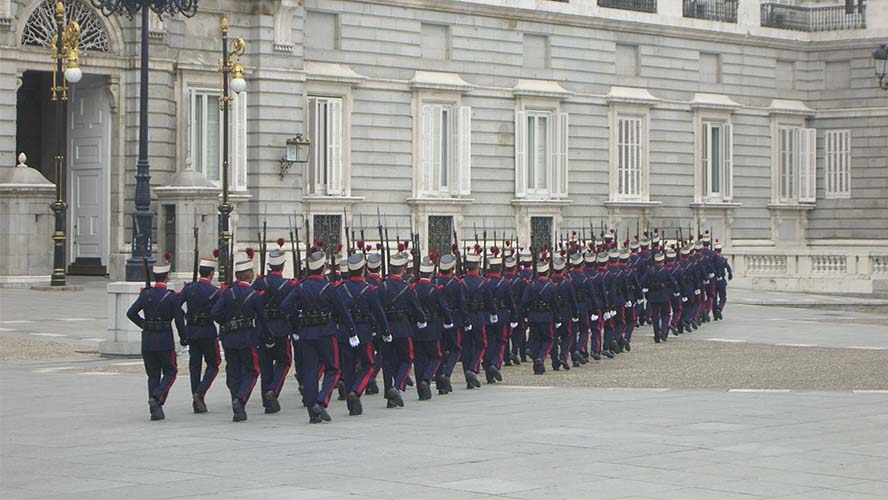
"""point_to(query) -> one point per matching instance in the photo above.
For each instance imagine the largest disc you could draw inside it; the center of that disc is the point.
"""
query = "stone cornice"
(332, 72)
(540, 88)
(789, 107)
(440, 201)
(434, 80)
(714, 102)
(630, 95)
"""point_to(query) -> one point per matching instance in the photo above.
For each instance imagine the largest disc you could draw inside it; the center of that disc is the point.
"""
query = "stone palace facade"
(532, 118)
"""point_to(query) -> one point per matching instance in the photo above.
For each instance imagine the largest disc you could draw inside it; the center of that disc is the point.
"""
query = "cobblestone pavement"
(773, 402)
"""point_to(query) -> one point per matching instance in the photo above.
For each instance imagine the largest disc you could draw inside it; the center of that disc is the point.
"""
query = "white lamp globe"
(73, 75)
(238, 85)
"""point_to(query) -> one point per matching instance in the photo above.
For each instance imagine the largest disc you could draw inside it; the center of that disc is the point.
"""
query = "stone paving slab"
(89, 437)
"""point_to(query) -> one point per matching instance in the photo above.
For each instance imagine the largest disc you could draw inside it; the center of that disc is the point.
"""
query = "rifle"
(379, 227)
(458, 260)
(294, 248)
(680, 236)
(533, 257)
(484, 250)
(348, 241)
(263, 241)
(387, 251)
(637, 224)
(196, 254)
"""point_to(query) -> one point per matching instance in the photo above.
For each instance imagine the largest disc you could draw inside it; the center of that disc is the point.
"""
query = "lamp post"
(880, 61)
(232, 79)
(66, 47)
(142, 216)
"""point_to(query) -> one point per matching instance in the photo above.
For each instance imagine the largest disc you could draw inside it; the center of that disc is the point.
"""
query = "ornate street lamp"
(66, 44)
(232, 79)
(880, 60)
(142, 216)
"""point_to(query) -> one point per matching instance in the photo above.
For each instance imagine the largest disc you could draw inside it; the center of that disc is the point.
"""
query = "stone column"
(26, 247)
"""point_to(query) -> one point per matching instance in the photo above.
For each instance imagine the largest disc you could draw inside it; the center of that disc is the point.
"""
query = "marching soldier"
(567, 316)
(524, 276)
(480, 311)
(274, 361)
(357, 358)
(374, 279)
(633, 296)
(658, 286)
(722, 267)
(203, 342)
(586, 303)
(427, 341)
(600, 344)
(540, 310)
(516, 342)
(675, 301)
(498, 332)
(401, 308)
(319, 309)
(451, 339)
(615, 285)
(160, 307)
(240, 310)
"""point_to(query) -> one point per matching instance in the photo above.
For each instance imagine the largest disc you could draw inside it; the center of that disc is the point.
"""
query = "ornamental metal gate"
(329, 229)
(440, 233)
(540, 232)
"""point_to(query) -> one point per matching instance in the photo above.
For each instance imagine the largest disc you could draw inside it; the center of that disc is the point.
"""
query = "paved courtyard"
(773, 402)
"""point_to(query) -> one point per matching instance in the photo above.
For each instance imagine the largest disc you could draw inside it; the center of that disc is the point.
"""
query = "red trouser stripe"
(338, 371)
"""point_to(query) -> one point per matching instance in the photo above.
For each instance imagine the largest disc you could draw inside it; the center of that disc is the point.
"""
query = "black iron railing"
(713, 10)
(638, 5)
(800, 18)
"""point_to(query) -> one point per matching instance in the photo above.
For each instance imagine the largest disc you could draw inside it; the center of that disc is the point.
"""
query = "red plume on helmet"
(509, 243)
(477, 248)
(495, 250)
(591, 245)
(280, 242)
(360, 244)
(406, 244)
(656, 231)
(338, 247)
(167, 256)
(400, 247)
(379, 246)
(613, 231)
(216, 253)
(312, 250)
(319, 243)
(546, 247)
(544, 255)
(574, 234)
(563, 253)
(250, 252)
(454, 248)
(433, 255)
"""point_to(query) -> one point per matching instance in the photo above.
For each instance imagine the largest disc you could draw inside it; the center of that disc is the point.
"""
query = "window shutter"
(520, 154)
(562, 135)
(426, 144)
(334, 147)
(707, 154)
(728, 154)
(464, 154)
(311, 173)
(238, 181)
(808, 165)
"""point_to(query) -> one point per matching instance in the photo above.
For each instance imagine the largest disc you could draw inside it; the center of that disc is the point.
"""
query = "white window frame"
(326, 181)
(723, 190)
(794, 170)
(429, 153)
(237, 122)
(555, 160)
(837, 163)
(636, 151)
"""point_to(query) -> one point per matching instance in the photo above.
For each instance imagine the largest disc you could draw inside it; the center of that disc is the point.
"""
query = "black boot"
(539, 367)
(319, 411)
(354, 404)
(237, 407)
(472, 380)
(425, 392)
(372, 387)
(656, 338)
(394, 396)
(198, 404)
(627, 345)
(340, 387)
(609, 354)
(273, 406)
(596, 356)
(516, 360)
(155, 409)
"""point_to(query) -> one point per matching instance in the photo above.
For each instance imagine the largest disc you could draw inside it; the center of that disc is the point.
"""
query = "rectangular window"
(435, 41)
(536, 51)
(321, 30)
(445, 150)
(796, 164)
(710, 68)
(325, 132)
(717, 161)
(206, 137)
(630, 148)
(837, 160)
(541, 154)
(627, 60)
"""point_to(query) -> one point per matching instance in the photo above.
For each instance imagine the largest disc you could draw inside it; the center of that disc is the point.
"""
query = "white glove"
(706, 282)
(354, 341)
(448, 326)
(574, 320)
(642, 301)
(628, 303)
(494, 318)
(594, 317)
(684, 299)
(386, 338)
(676, 295)
(557, 325)
(644, 290)
(468, 328)
(697, 292)
(613, 313)
(513, 324)
(296, 337)
(421, 324)
(527, 332)
(712, 275)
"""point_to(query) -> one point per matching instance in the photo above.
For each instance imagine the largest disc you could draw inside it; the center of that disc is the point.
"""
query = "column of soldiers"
(414, 319)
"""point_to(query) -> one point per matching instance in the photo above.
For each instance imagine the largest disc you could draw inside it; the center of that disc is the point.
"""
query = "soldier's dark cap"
(317, 260)
(374, 261)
